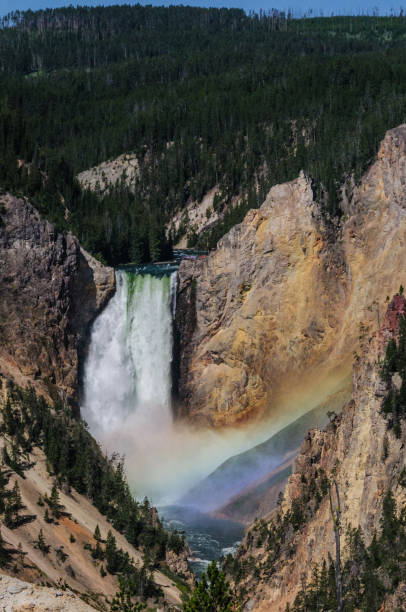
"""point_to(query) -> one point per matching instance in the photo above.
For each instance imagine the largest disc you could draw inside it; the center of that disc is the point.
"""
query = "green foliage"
(204, 98)
(123, 600)
(277, 536)
(75, 458)
(54, 502)
(211, 593)
(176, 542)
(41, 544)
(97, 534)
(4, 553)
(12, 506)
(370, 574)
(394, 404)
(385, 448)
(3, 492)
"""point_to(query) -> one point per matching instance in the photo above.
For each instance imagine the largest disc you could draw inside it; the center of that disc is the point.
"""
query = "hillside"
(203, 99)
(287, 557)
(56, 484)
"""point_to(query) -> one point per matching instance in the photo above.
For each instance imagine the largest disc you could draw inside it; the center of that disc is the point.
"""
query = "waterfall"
(128, 369)
(127, 392)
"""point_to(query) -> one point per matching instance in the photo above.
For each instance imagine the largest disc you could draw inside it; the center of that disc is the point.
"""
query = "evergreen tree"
(211, 593)
(4, 553)
(111, 554)
(54, 501)
(123, 600)
(41, 544)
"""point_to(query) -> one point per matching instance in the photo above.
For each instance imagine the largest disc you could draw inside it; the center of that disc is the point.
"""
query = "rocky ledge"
(16, 596)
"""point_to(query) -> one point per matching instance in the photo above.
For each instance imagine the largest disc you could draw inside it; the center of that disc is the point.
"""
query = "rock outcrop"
(361, 455)
(195, 218)
(19, 596)
(278, 310)
(107, 175)
(50, 292)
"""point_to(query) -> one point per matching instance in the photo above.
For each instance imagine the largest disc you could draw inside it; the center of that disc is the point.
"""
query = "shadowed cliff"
(50, 292)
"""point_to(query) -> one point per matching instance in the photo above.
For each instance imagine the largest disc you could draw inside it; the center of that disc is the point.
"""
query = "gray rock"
(50, 292)
(16, 588)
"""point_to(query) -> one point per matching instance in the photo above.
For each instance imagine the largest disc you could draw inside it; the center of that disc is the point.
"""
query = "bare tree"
(336, 516)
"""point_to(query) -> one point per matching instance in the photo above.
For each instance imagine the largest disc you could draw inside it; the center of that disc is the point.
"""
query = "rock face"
(124, 169)
(50, 291)
(350, 450)
(196, 217)
(280, 307)
(18, 596)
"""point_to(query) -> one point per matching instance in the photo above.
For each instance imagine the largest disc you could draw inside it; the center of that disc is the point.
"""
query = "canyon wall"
(50, 292)
(282, 305)
(361, 455)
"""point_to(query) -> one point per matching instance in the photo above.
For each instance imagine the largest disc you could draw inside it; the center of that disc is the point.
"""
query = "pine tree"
(123, 600)
(97, 534)
(54, 501)
(97, 552)
(211, 593)
(8, 516)
(15, 503)
(41, 544)
(111, 553)
(4, 554)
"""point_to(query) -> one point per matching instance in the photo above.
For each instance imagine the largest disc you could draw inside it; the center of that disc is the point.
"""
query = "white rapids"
(128, 370)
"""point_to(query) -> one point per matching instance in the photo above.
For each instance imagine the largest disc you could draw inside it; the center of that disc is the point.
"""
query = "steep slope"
(56, 487)
(277, 311)
(120, 171)
(362, 454)
(260, 498)
(50, 292)
(260, 462)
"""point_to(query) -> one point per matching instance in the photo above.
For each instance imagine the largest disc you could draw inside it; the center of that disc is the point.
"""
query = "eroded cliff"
(278, 310)
(362, 455)
(50, 292)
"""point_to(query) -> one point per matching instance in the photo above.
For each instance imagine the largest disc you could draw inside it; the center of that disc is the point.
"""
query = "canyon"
(51, 291)
(266, 330)
(358, 453)
(279, 309)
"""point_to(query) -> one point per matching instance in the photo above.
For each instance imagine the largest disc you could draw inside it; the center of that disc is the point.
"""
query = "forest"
(75, 459)
(205, 99)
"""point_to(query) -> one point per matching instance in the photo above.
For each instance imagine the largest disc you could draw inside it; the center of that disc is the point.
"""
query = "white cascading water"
(128, 370)
(127, 393)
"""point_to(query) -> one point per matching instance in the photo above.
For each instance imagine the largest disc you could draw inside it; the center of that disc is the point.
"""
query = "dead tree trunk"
(336, 516)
